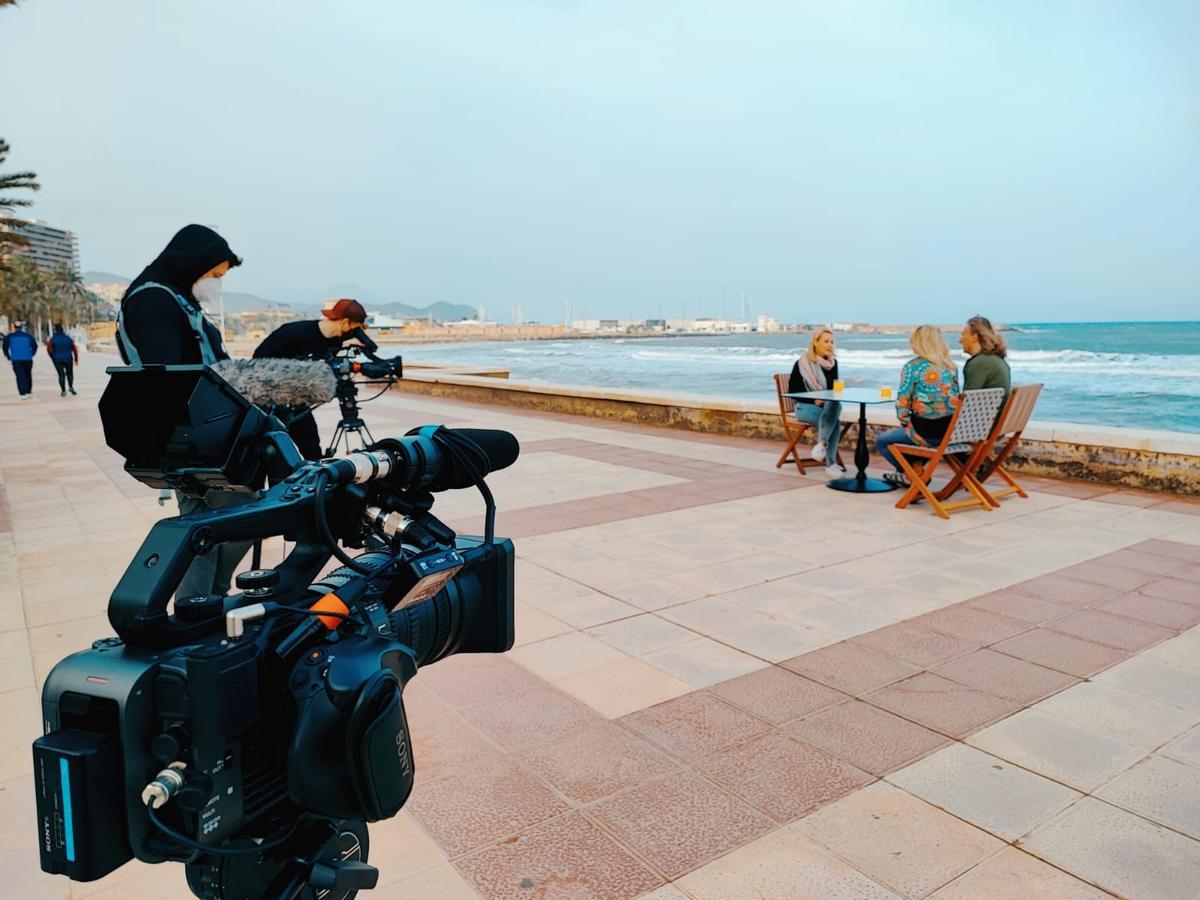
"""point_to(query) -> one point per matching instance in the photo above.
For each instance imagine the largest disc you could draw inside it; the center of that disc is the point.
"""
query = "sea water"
(1131, 374)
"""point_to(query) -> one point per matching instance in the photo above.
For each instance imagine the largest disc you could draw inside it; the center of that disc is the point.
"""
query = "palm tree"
(71, 301)
(12, 181)
(25, 292)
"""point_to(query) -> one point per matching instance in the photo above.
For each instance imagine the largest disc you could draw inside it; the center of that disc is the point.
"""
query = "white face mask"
(207, 291)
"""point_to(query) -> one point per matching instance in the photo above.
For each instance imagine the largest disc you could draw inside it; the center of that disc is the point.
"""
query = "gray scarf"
(814, 371)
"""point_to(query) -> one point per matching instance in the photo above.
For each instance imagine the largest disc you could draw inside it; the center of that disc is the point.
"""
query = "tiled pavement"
(730, 682)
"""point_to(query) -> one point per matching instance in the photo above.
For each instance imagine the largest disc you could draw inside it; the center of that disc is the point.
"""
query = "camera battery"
(82, 831)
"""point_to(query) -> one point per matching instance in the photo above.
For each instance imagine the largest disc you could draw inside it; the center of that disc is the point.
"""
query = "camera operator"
(161, 322)
(312, 339)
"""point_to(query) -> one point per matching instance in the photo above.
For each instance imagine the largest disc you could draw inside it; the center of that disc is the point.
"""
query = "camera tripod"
(351, 422)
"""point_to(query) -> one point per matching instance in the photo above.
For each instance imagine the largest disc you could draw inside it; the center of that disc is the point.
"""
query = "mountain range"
(235, 302)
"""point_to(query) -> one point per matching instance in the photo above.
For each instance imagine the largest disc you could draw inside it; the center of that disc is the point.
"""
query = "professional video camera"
(252, 736)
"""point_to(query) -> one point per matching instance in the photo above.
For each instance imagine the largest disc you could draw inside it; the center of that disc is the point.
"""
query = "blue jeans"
(828, 420)
(885, 440)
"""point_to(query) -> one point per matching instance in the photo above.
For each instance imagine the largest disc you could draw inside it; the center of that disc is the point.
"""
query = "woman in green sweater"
(987, 367)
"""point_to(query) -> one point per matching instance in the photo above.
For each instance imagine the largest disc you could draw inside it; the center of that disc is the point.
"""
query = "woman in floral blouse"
(926, 399)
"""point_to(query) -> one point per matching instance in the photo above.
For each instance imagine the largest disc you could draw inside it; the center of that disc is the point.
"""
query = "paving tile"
(850, 667)
(1150, 563)
(897, 839)
(1111, 577)
(1119, 851)
(666, 892)
(941, 704)
(1169, 549)
(774, 640)
(985, 791)
(1185, 749)
(565, 857)
(1058, 588)
(703, 662)
(782, 865)
(596, 762)
(1104, 628)
(1129, 717)
(1014, 875)
(977, 625)
(695, 724)
(469, 678)
(1177, 589)
(21, 711)
(640, 635)
(784, 777)
(472, 808)
(1181, 653)
(439, 883)
(1155, 610)
(566, 654)
(619, 688)
(403, 847)
(1060, 651)
(868, 738)
(679, 822)
(531, 717)
(916, 645)
(1058, 748)
(533, 625)
(443, 742)
(1004, 676)
(778, 695)
(1188, 573)
(1024, 607)
(1162, 789)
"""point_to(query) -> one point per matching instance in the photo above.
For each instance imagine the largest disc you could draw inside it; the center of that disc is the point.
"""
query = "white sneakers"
(818, 450)
(835, 471)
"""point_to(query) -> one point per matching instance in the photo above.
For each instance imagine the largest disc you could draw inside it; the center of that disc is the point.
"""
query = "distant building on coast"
(767, 324)
(48, 247)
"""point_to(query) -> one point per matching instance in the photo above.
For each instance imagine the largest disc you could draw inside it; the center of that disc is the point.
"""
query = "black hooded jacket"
(155, 323)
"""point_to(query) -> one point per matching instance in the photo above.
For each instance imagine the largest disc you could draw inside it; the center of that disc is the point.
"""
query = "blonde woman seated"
(925, 401)
(817, 370)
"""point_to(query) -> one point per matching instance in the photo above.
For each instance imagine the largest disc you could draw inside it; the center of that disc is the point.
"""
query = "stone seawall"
(1153, 460)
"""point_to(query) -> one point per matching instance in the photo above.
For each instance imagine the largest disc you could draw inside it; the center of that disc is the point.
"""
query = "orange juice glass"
(885, 393)
(839, 385)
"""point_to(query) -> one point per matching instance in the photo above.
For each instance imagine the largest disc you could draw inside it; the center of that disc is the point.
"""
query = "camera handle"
(137, 608)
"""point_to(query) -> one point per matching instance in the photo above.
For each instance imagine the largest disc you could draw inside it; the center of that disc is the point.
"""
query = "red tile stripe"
(510, 767)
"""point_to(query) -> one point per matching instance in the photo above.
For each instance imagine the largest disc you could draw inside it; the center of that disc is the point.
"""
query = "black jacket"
(156, 325)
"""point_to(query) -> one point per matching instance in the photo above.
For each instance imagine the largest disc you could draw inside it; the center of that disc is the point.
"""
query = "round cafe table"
(857, 483)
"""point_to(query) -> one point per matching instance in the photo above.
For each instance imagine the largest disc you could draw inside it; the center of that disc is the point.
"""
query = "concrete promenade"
(729, 682)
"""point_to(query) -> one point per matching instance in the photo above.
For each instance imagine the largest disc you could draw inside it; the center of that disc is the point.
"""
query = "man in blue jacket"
(19, 349)
(65, 356)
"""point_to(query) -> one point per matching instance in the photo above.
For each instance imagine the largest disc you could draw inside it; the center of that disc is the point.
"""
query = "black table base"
(859, 483)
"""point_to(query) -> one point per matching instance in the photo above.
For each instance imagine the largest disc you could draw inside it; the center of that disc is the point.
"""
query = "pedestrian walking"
(20, 348)
(65, 356)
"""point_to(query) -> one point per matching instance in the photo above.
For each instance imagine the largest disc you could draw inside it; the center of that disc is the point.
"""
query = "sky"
(880, 160)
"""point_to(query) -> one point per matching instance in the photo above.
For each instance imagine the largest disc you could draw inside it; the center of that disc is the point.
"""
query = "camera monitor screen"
(181, 426)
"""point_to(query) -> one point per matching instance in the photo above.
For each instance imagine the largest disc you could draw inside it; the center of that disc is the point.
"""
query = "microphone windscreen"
(279, 382)
(499, 449)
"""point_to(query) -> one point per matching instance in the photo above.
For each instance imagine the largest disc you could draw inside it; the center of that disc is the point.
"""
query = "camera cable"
(269, 843)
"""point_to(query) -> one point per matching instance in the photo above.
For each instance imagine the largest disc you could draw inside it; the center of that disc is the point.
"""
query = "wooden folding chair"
(1020, 407)
(969, 426)
(1007, 432)
(792, 430)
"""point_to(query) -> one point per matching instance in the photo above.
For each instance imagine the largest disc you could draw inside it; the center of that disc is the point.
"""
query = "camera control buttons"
(314, 656)
(199, 607)
(258, 582)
